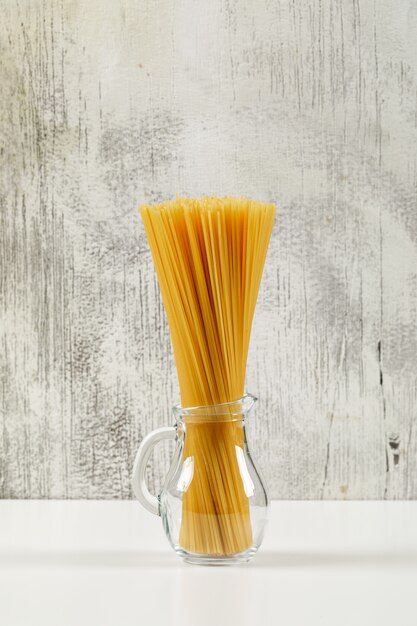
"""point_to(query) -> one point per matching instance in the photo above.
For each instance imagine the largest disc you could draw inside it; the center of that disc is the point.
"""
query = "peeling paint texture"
(107, 104)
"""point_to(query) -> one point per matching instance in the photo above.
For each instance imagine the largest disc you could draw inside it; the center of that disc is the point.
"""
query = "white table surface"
(109, 563)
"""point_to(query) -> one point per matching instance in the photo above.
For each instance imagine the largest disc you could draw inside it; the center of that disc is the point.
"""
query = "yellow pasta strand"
(209, 255)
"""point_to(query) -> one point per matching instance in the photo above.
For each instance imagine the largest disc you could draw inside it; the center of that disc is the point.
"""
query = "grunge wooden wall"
(312, 104)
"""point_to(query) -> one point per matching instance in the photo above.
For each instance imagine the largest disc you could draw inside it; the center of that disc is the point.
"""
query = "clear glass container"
(213, 504)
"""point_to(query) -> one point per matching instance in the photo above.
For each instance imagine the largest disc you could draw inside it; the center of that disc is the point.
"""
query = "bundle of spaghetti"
(209, 255)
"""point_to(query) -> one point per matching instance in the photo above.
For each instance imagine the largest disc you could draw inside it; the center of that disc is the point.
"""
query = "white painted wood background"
(312, 104)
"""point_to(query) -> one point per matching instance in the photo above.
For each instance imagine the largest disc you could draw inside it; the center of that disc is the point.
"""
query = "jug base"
(217, 559)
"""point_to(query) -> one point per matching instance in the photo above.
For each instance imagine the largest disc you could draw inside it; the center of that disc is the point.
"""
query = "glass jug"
(213, 503)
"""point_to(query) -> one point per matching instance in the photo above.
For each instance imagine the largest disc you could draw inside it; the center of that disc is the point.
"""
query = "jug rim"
(227, 409)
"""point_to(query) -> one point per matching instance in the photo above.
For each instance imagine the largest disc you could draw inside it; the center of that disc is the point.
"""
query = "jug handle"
(140, 489)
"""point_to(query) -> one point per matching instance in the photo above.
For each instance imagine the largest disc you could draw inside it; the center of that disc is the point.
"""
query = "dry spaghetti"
(209, 255)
